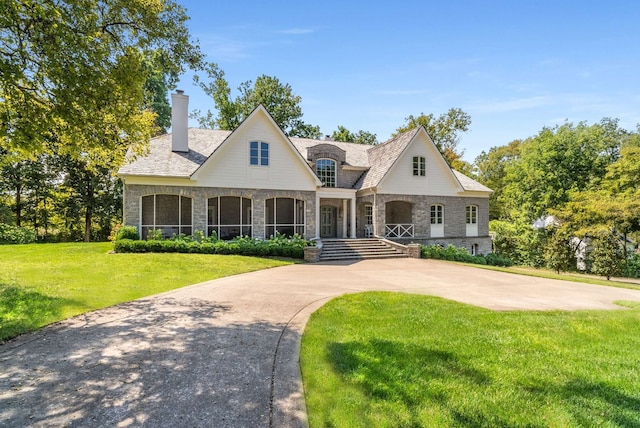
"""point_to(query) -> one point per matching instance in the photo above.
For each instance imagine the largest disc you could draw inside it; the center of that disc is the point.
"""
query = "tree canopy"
(73, 71)
(445, 130)
(360, 137)
(556, 162)
(278, 98)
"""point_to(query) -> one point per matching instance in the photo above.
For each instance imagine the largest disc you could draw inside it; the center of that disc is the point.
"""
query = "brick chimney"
(179, 122)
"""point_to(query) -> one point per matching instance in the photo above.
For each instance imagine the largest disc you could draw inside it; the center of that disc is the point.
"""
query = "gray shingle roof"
(356, 153)
(469, 183)
(382, 157)
(160, 161)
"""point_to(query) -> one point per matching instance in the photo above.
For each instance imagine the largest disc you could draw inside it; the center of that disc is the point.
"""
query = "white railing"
(398, 230)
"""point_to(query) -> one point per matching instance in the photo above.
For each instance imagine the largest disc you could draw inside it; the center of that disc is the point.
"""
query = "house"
(256, 181)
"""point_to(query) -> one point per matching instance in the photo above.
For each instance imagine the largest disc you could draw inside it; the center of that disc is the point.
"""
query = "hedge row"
(244, 247)
(460, 254)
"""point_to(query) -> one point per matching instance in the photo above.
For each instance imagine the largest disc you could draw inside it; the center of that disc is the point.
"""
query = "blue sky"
(514, 66)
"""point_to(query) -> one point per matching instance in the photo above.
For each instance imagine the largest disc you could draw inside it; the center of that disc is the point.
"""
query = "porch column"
(353, 218)
(344, 218)
(317, 216)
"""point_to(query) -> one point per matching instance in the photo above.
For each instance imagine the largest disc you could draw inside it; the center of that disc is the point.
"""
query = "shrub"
(632, 268)
(461, 254)
(493, 259)
(127, 232)
(606, 256)
(15, 234)
(278, 246)
(155, 235)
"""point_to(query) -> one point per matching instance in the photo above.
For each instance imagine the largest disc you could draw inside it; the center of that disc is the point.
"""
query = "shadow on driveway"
(159, 362)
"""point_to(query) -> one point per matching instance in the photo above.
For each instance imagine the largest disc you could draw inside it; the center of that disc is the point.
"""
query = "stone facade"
(454, 212)
(454, 220)
(134, 193)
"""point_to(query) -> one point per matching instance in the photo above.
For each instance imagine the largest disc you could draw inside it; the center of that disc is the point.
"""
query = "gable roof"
(377, 160)
(261, 110)
(383, 156)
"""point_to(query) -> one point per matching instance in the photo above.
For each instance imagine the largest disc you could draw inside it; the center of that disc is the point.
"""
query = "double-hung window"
(259, 153)
(472, 214)
(419, 168)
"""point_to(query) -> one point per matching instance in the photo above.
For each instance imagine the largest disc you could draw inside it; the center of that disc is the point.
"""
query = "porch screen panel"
(169, 213)
(285, 216)
(148, 203)
(212, 216)
(229, 217)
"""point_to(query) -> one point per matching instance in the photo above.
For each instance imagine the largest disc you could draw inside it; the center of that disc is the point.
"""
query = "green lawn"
(632, 283)
(44, 283)
(397, 360)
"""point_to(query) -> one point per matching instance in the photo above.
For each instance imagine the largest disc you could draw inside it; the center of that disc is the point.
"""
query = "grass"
(631, 283)
(44, 283)
(397, 360)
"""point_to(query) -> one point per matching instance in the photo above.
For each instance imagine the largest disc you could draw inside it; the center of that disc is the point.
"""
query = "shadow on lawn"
(24, 310)
(413, 376)
(157, 362)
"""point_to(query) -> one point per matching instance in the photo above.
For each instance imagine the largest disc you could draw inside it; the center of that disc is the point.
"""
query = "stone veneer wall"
(454, 219)
(134, 193)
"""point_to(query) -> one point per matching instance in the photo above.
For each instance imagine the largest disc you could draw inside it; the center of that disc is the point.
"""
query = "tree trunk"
(18, 205)
(88, 214)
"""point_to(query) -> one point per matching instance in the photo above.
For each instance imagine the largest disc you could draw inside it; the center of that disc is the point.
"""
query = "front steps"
(358, 249)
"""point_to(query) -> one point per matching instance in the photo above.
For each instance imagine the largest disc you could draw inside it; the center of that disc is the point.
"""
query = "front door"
(327, 222)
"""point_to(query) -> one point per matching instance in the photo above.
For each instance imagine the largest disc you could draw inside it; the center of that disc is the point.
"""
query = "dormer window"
(419, 166)
(326, 171)
(259, 153)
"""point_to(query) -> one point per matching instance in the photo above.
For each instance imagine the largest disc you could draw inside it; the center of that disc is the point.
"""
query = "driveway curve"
(224, 353)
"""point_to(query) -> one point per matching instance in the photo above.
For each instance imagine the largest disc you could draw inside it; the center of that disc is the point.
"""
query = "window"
(368, 221)
(472, 220)
(259, 153)
(285, 216)
(229, 217)
(368, 214)
(169, 213)
(419, 166)
(326, 170)
(437, 214)
(472, 214)
(437, 221)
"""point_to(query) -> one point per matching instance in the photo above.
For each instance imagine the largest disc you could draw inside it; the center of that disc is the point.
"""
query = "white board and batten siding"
(439, 179)
(229, 165)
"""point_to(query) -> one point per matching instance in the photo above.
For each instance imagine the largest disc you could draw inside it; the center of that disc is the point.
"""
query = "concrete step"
(357, 249)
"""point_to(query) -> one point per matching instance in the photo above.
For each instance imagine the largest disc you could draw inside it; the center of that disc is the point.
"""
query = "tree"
(615, 203)
(606, 256)
(444, 130)
(552, 165)
(490, 170)
(559, 252)
(276, 97)
(27, 184)
(90, 198)
(360, 137)
(72, 71)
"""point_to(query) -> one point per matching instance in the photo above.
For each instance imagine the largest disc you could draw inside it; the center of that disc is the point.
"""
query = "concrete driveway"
(225, 353)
